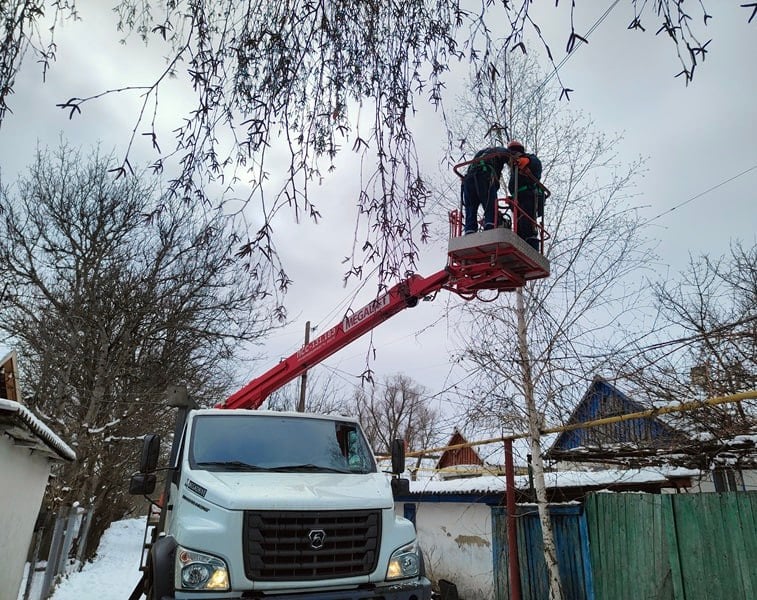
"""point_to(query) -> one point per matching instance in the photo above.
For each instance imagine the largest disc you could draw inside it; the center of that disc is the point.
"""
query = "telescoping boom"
(403, 295)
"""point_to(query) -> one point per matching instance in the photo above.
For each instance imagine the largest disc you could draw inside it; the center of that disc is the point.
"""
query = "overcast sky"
(691, 138)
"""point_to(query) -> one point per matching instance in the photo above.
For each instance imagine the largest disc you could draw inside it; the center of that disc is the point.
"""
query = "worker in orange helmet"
(525, 173)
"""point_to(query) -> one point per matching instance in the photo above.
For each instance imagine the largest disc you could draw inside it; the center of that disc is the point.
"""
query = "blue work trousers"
(479, 189)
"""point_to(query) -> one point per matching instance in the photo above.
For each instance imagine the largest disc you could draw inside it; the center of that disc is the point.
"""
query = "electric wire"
(573, 50)
(700, 194)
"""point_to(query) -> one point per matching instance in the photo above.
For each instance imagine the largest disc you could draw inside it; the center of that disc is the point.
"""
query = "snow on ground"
(115, 570)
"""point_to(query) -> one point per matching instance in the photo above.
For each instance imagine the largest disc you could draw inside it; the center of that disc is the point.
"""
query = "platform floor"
(500, 248)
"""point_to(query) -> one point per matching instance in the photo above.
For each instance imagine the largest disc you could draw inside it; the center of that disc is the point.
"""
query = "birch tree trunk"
(534, 431)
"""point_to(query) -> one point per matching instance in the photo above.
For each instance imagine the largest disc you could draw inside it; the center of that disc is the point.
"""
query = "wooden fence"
(638, 547)
(673, 546)
(571, 539)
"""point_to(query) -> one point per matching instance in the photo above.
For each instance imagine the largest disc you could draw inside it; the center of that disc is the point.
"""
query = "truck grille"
(310, 545)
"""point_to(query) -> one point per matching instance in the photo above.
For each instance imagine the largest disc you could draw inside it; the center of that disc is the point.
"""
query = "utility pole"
(304, 376)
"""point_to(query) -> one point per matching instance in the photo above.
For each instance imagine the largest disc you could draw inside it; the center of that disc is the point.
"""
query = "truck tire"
(160, 567)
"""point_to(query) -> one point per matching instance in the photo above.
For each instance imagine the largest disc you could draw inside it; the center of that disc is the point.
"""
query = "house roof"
(695, 439)
(603, 400)
(604, 479)
(459, 456)
(25, 429)
(490, 453)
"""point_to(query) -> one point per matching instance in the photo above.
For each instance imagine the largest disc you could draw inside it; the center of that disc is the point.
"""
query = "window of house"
(728, 480)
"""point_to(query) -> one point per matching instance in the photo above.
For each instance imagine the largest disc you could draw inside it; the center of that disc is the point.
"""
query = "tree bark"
(534, 430)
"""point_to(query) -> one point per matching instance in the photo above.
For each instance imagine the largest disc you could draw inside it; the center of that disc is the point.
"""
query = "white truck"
(289, 506)
(282, 505)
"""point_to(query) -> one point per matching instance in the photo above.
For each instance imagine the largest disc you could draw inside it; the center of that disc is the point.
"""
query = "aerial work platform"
(496, 259)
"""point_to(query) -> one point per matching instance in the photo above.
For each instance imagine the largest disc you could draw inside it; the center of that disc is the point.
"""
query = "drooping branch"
(303, 74)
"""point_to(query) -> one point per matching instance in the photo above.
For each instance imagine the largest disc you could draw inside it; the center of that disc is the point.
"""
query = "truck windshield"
(261, 443)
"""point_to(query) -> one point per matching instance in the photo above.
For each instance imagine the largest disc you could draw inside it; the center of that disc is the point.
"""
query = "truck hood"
(288, 491)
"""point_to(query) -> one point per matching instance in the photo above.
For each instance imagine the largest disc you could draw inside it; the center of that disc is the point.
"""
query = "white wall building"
(28, 449)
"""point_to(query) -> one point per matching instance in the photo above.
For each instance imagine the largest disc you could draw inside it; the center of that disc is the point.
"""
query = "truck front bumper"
(414, 590)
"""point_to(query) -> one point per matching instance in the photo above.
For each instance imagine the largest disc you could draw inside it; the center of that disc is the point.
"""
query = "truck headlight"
(199, 571)
(404, 563)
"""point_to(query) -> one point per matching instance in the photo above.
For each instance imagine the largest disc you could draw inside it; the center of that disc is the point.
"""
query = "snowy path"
(115, 570)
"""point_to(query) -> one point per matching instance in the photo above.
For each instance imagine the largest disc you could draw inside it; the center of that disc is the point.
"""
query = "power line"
(700, 194)
(567, 57)
(344, 375)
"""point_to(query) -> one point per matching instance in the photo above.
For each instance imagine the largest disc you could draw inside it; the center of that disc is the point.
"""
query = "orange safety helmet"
(516, 146)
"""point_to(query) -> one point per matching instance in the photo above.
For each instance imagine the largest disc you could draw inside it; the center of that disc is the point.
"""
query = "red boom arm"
(399, 297)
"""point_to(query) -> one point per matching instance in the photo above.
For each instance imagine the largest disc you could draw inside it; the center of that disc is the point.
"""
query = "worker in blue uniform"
(480, 185)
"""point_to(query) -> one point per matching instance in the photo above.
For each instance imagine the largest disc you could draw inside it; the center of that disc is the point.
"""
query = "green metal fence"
(677, 547)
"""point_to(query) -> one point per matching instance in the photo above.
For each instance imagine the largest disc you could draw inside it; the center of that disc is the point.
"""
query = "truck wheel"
(156, 586)
(159, 580)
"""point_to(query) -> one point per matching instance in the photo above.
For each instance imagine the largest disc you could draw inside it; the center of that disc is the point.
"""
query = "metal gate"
(571, 538)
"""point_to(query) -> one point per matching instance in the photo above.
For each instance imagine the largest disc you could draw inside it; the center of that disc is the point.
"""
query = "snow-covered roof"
(492, 453)
(29, 429)
(488, 484)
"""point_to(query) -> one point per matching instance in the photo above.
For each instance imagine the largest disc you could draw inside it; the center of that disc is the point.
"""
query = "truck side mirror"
(398, 457)
(142, 484)
(400, 487)
(150, 453)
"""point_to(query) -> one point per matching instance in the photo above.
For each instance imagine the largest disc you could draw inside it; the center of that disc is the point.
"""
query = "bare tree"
(533, 351)
(319, 76)
(108, 308)
(715, 304)
(396, 409)
(323, 395)
(704, 345)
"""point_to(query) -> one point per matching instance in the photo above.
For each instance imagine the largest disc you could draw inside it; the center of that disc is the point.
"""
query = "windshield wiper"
(235, 465)
(310, 468)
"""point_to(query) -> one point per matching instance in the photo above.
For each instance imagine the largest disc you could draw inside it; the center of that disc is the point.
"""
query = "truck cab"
(284, 505)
